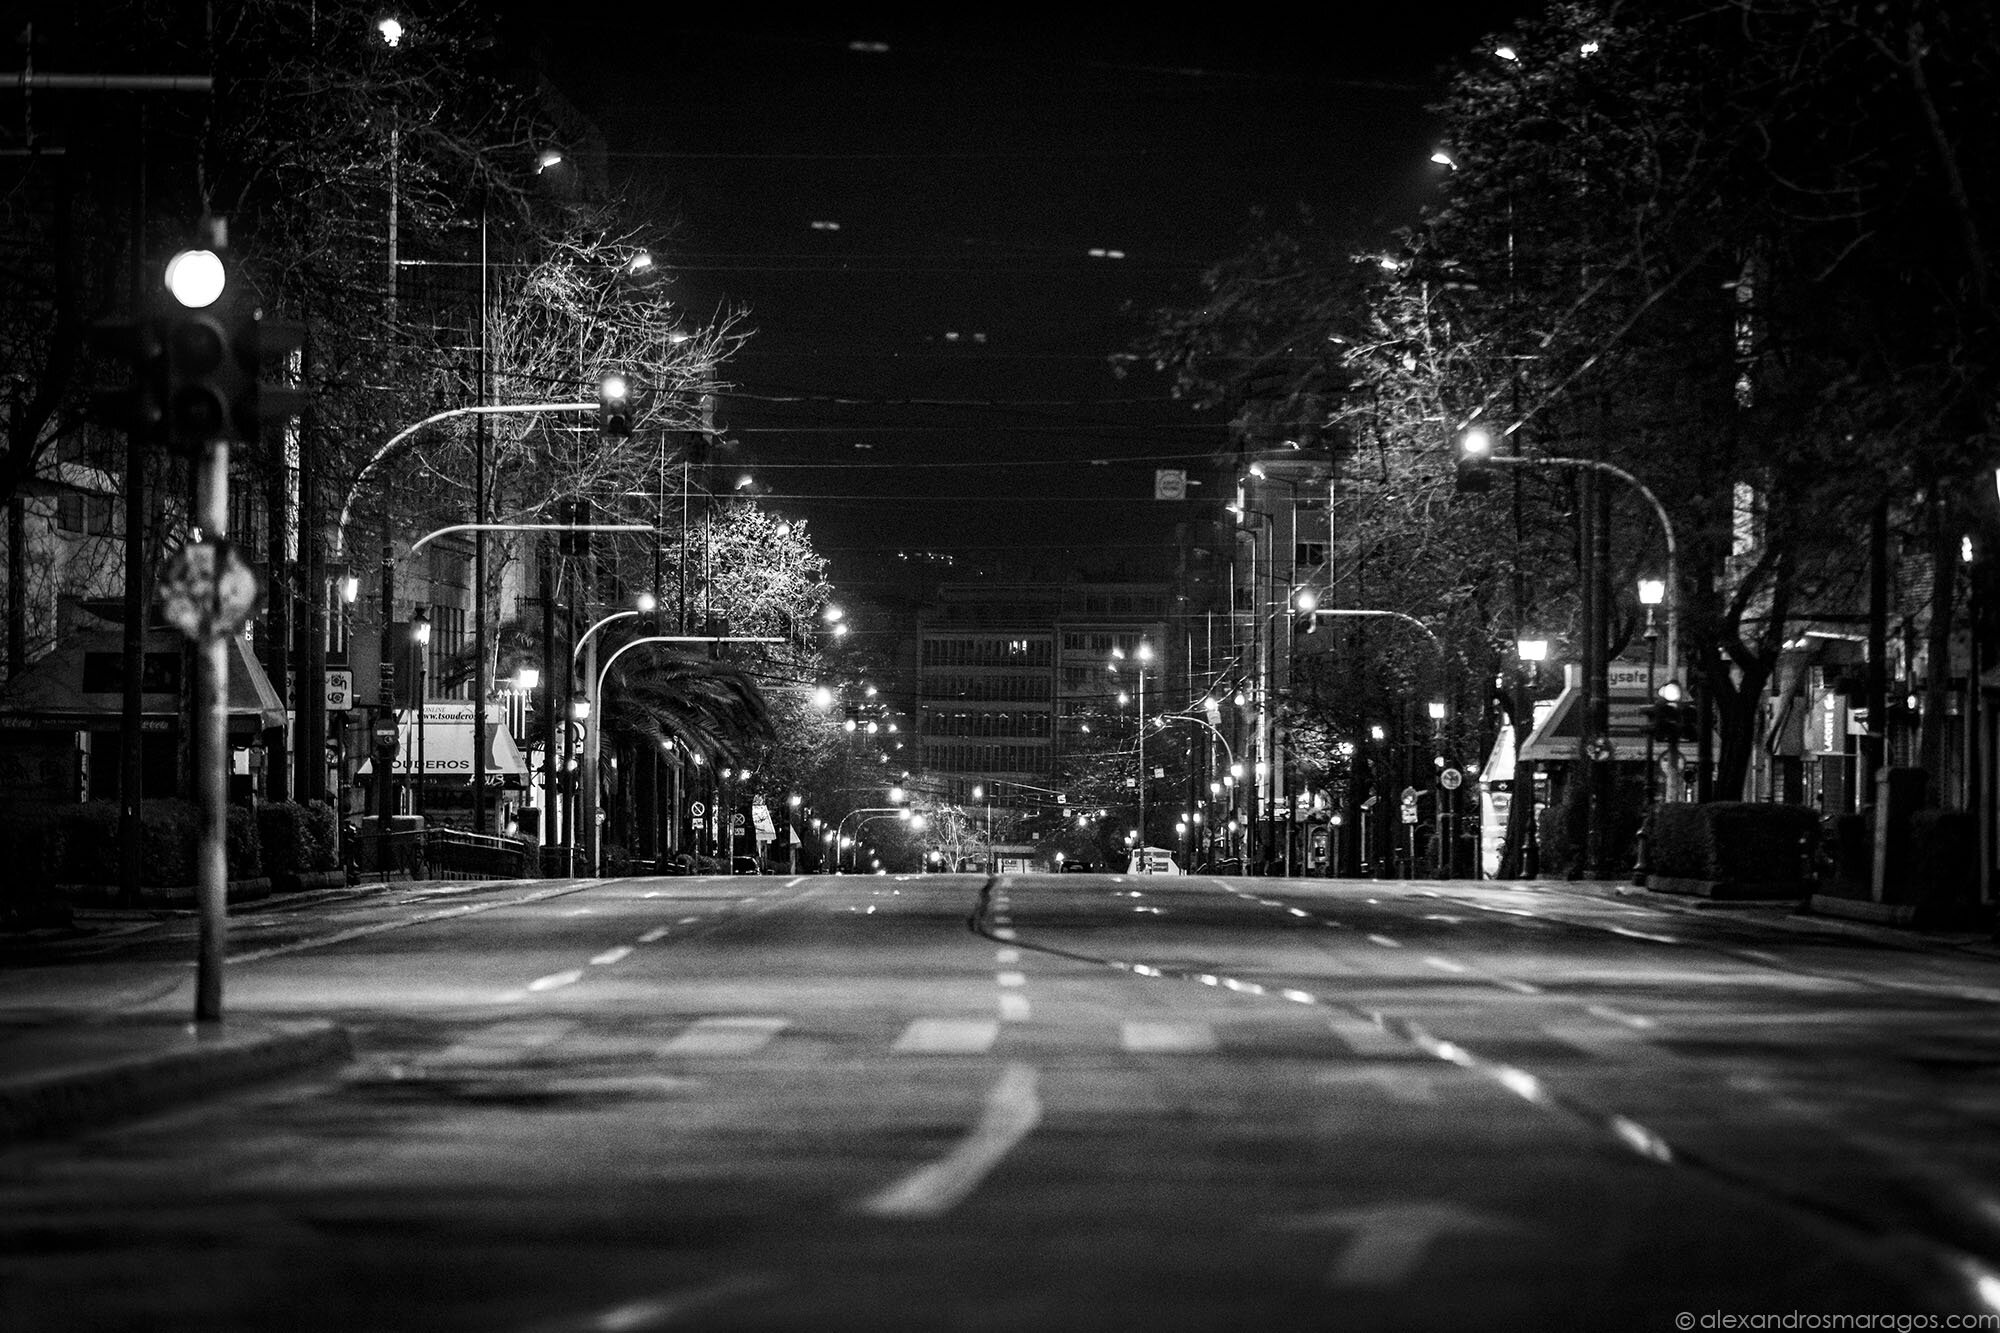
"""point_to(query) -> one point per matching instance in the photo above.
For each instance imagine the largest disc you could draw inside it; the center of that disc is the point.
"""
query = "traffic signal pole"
(211, 750)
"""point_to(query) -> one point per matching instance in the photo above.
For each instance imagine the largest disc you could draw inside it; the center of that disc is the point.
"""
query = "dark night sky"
(970, 169)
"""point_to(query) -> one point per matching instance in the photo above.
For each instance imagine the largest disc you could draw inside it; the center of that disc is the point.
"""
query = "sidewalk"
(63, 1071)
(1787, 914)
(64, 1076)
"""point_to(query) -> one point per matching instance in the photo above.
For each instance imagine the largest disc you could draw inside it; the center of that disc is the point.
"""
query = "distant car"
(1077, 867)
(746, 865)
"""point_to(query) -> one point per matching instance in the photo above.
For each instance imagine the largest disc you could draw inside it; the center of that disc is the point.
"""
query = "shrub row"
(81, 844)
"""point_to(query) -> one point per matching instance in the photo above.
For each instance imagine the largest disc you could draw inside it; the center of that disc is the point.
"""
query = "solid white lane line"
(659, 1311)
(1012, 978)
(1365, 1038)
(1013, 1007)
(1158, 1038)
(555, 979)
(725, 1034)
(422, 918)
(1012, 1111)
(948, 1036)
(610, 956)
(654, 935)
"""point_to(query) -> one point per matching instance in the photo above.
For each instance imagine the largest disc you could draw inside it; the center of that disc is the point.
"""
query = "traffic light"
(1670, 722)
(1474, 464)
(574, 511)
(138, 406)
(614, 406)
(214, 348)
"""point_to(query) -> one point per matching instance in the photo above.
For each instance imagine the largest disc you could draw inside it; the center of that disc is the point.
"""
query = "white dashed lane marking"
(1385, 941)
(1365, 1038)
(1012, 978)
(654, 935)
(1012, 1111)
(727, 1035)
(555, 979)
(1013, 1007)
(610, 956)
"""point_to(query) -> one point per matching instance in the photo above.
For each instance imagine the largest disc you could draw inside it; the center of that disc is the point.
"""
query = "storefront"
(60, 719)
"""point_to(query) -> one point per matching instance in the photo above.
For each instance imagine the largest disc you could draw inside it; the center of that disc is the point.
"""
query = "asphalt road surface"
(1039, 1102)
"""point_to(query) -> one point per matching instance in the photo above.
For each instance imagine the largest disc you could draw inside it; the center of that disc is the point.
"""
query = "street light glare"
(614, 388)
(391, 31)
(1476, 442)
(1652, 591)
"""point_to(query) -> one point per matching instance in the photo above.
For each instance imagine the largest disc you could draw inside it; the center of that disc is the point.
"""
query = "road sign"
(209, 591)
(384, 733)
(697, 809)
(1409, 805)
(339, 689)
(1450, 778)
(1169, 483)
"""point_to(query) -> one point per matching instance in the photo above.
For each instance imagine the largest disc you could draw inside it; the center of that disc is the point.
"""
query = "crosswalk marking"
(732, 1034)
(1151, 1037)
(949, 1036)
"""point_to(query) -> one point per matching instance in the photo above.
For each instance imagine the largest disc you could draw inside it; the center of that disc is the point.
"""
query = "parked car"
(746, 865)
(1077, 867)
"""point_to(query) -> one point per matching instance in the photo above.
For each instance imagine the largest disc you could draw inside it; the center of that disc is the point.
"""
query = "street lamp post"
(1214, 787)
(1141, 655)
(1476, 447)
(1533, 652)
(1651, 591)
(979, 792)
(420, 635)
(594, 726)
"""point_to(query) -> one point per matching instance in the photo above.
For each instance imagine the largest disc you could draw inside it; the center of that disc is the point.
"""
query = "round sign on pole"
(697, 808)
(1450, 778)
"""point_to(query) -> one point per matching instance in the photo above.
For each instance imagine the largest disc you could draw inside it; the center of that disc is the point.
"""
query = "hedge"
(1736, 849)
(90, 845)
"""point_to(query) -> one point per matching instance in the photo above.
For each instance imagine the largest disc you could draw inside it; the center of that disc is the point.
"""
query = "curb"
(191, 1063)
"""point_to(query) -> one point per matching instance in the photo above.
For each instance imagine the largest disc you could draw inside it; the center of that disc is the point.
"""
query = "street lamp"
(979, 792)
(1140, 656)
(420, 635)
(1651, 593)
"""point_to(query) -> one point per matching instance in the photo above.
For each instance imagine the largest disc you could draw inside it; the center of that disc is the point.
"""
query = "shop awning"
(1558, 734)
(81, 684)
(447, 742)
